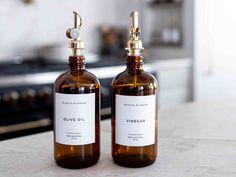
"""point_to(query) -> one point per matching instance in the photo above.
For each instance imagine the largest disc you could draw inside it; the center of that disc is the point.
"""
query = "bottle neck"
(77, 62)
(134, 63)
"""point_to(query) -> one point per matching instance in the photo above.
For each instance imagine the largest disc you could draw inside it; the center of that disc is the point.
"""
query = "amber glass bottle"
(134, 109)
(76, 111)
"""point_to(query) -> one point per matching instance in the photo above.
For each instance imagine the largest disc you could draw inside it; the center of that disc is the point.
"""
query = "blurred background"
(189, 47)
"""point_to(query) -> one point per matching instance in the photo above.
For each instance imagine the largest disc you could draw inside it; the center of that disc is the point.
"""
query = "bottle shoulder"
(141, 78)
(83, 77)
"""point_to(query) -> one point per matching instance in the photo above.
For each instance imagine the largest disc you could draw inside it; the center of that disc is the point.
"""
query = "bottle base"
(133, 161)
(76, 162)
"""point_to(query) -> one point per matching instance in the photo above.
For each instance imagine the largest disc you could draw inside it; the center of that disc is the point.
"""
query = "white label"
(135, 120)
(75, 118)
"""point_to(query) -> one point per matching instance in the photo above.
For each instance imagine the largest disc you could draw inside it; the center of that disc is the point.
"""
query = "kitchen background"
(189, 47)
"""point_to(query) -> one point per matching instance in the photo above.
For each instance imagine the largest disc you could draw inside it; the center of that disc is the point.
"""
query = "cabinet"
(175, 77)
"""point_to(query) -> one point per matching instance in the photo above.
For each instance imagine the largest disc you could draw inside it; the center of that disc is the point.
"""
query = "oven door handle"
(25, 126)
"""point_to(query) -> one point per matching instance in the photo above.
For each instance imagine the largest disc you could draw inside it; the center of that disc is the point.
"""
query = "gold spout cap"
(76, 44)
(134, 45)
(134, 20)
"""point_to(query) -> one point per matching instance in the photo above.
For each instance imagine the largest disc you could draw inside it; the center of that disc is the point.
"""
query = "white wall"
(24, 27)
(215, 48)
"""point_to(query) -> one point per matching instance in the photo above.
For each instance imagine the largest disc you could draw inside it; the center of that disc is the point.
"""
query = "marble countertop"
(195, 140)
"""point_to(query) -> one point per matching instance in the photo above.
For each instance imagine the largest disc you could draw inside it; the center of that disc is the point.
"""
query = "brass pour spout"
(76, 44)
(134, 45)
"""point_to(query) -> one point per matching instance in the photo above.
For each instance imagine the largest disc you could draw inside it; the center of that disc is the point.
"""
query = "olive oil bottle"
(76, 109)
(134, 108)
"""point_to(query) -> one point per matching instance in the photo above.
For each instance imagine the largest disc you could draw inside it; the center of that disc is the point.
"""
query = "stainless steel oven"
(26, 92)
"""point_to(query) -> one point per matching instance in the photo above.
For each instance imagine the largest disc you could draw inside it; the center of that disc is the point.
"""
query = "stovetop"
(40, 65)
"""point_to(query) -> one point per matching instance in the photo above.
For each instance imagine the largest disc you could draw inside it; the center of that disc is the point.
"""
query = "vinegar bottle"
(134, 108)
(76, 109)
